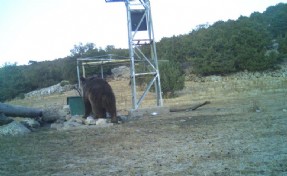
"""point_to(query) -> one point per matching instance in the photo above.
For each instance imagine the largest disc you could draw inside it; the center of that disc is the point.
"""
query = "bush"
(171, 77)
(64, 83)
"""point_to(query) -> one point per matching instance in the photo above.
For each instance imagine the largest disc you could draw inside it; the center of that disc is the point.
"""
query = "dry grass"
(226, 137)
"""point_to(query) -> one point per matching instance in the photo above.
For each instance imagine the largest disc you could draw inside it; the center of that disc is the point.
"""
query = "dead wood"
(19, 111)
(192, 108)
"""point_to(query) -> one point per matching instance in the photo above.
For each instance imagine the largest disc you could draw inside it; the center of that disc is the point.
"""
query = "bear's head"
(83, 80)
(88, 81)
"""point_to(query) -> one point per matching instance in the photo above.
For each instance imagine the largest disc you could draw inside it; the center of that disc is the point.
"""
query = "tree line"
(17, 80)
(254, 43)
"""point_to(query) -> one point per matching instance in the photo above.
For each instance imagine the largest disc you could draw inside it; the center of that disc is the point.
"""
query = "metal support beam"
(136, 53)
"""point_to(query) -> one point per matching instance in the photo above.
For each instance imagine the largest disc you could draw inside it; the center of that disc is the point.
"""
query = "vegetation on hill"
(250, 43)
(254, 43)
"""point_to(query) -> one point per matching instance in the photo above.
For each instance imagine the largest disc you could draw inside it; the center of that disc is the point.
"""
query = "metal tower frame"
(140, 33)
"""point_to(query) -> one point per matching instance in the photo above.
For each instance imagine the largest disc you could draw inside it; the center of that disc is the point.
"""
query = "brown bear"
(98, 98)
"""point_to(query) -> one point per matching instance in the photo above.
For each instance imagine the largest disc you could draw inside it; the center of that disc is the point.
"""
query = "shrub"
(171, 77)
(64, 83)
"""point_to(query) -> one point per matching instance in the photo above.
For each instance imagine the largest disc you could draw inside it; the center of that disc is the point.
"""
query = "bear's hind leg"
(88, 108)
(113, 112)
(100, 113)
(115, 119)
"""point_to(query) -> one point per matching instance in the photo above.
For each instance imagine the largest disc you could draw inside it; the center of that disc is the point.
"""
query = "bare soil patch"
(242, 132)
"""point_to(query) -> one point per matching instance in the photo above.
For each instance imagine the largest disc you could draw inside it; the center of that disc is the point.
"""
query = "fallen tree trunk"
(192, 108)
(19, 111)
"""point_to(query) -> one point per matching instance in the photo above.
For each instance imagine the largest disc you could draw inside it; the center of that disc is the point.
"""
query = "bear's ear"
(83, 79)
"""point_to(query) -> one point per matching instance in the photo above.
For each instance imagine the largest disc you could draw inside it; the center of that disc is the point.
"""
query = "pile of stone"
(72, 122)
(61, 119)
(53, 117)
(244, 75)
(56, 117)
(17, 126)
(121, 72)
(58, 88)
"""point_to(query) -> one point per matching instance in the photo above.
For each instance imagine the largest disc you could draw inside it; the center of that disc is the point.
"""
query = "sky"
(41, 30)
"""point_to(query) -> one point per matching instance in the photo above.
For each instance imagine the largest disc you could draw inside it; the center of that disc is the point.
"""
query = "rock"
(4, 120)
(30, 123)
(67, 88)
(62, 114)
(99, 122)
(103, 123)
(90, 121)
(58, 88)
(57, 126)
(14, 128)
(52, 114)
(77, 119)
(154, 113)
(123, 118)
(121, 72)
(68, 117)
(69, 124)
(66, 109)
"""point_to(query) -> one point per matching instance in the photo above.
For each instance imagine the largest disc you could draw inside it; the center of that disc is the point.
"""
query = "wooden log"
(19, 111)
(192, 108)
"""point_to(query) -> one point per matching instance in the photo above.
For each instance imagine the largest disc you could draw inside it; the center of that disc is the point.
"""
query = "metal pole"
(78, 74)
(84, 71)
(102, 71)
(154, 56)
(132, 62)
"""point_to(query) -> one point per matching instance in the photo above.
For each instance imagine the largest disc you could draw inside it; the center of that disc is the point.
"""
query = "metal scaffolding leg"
(140, 24)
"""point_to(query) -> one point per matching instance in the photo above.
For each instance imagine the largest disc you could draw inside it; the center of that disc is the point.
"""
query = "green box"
(76, 104)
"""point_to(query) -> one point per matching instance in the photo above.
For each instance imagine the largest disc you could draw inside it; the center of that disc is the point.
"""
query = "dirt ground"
(242, 132)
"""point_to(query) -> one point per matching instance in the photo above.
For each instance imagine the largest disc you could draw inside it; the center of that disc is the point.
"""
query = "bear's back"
(97, 86)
